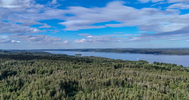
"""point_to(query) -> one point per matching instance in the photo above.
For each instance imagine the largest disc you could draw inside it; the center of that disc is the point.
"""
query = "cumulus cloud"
(157, 0)
(18, 16)
(27, 22)
(65, 42)
(15, 41)
(176, 1)
(148, 19)
(162, 23)
(4, 39)
(25, 39)
(180, 6)
(14, 28)
(45, 26)
(86, 35)
(42, 39)
(91, 36)
(54, 2)
(56, 31)
(146, 1)
(21, 14)
(181, 34)
(80, 41)
(16, 3)
(99, 39)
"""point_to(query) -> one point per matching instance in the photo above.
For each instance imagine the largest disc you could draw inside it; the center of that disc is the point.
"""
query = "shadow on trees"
(71, 88)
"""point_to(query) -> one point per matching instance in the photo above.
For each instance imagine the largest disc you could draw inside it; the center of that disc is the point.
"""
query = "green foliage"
(61, 77)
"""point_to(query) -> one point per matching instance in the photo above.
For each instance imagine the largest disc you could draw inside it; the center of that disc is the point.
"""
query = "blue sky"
(67, 24)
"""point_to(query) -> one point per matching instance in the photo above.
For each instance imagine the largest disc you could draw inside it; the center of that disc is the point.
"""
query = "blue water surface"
(174, 59)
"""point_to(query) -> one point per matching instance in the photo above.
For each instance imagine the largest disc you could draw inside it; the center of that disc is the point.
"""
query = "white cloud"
(56, 31)
(24, 41)
(99, 39)
(86, 35)
(147, 19)
(21, 14)
(80, 41)
(176, 1)
(14, 28)
(181, 34)
(65, 42)
(45, 26)
(100, 36)
(54, 2)
(180, 6)
(157, 0)
(4, 39)
(16, 3)
(84, 18)
(90, 36)
(27, 22)
(14, 41)
(146, 1)
(42, 39)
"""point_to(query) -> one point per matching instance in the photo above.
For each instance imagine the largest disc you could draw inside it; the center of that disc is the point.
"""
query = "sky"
(72, 24)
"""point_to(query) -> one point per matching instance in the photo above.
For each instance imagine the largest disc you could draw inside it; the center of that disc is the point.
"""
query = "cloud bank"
(22, 20)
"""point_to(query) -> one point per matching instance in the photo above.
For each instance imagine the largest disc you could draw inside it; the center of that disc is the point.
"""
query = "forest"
(164, 51)
(36, 75)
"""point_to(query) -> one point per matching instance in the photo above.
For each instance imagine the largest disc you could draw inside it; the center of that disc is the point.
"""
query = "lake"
(174, 59)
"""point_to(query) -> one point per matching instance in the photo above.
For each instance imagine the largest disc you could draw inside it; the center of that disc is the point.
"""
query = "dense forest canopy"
(44, 76)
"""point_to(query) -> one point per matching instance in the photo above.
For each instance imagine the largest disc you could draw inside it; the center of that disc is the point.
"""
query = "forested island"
(164, 51)
(33, 75)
